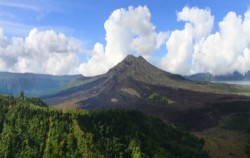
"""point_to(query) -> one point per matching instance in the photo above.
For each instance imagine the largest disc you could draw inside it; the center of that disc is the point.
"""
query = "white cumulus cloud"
(40, 52)
(127, 32)
(180, 45)
(196, 49)
(227, 50)
(193, 49)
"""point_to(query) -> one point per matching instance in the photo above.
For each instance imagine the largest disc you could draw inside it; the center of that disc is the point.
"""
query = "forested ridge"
(30, 129)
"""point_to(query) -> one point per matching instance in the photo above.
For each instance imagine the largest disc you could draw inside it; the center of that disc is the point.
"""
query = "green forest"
(28, 128)
(248, 144)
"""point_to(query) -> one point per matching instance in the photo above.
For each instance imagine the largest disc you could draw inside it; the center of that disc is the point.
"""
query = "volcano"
(134, 83)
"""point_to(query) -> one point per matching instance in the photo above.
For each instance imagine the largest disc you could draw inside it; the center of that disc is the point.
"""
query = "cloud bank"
(193, 49)
(180, 45)
(227, 50)
(40, 52)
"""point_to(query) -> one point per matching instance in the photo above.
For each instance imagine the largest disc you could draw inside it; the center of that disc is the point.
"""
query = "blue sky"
(84, 21)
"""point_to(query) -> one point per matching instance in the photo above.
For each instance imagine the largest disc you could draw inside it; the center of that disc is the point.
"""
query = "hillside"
(32, 84)
(28, 130)
(230, 138)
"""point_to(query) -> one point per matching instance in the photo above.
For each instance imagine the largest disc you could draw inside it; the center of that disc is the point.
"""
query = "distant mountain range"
(32, 84)
(236, 76)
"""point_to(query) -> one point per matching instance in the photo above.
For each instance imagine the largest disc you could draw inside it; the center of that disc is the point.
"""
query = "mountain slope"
(32, 84)
(27, 130)
(132, 76)
(136, 84)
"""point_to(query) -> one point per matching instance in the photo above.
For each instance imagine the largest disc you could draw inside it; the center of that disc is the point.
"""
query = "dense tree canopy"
(29, 129)
(248, 143)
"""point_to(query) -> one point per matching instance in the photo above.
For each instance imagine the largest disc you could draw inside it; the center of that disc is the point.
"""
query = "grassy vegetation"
(230, 138)
(28, 130)
(78, 82)
(247, 148)
(159, 99)
(223, 143)
(238, 122)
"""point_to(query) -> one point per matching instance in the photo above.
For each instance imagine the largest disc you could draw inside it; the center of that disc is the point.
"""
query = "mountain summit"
(141, 70)
(130, 82)
(119, 85)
